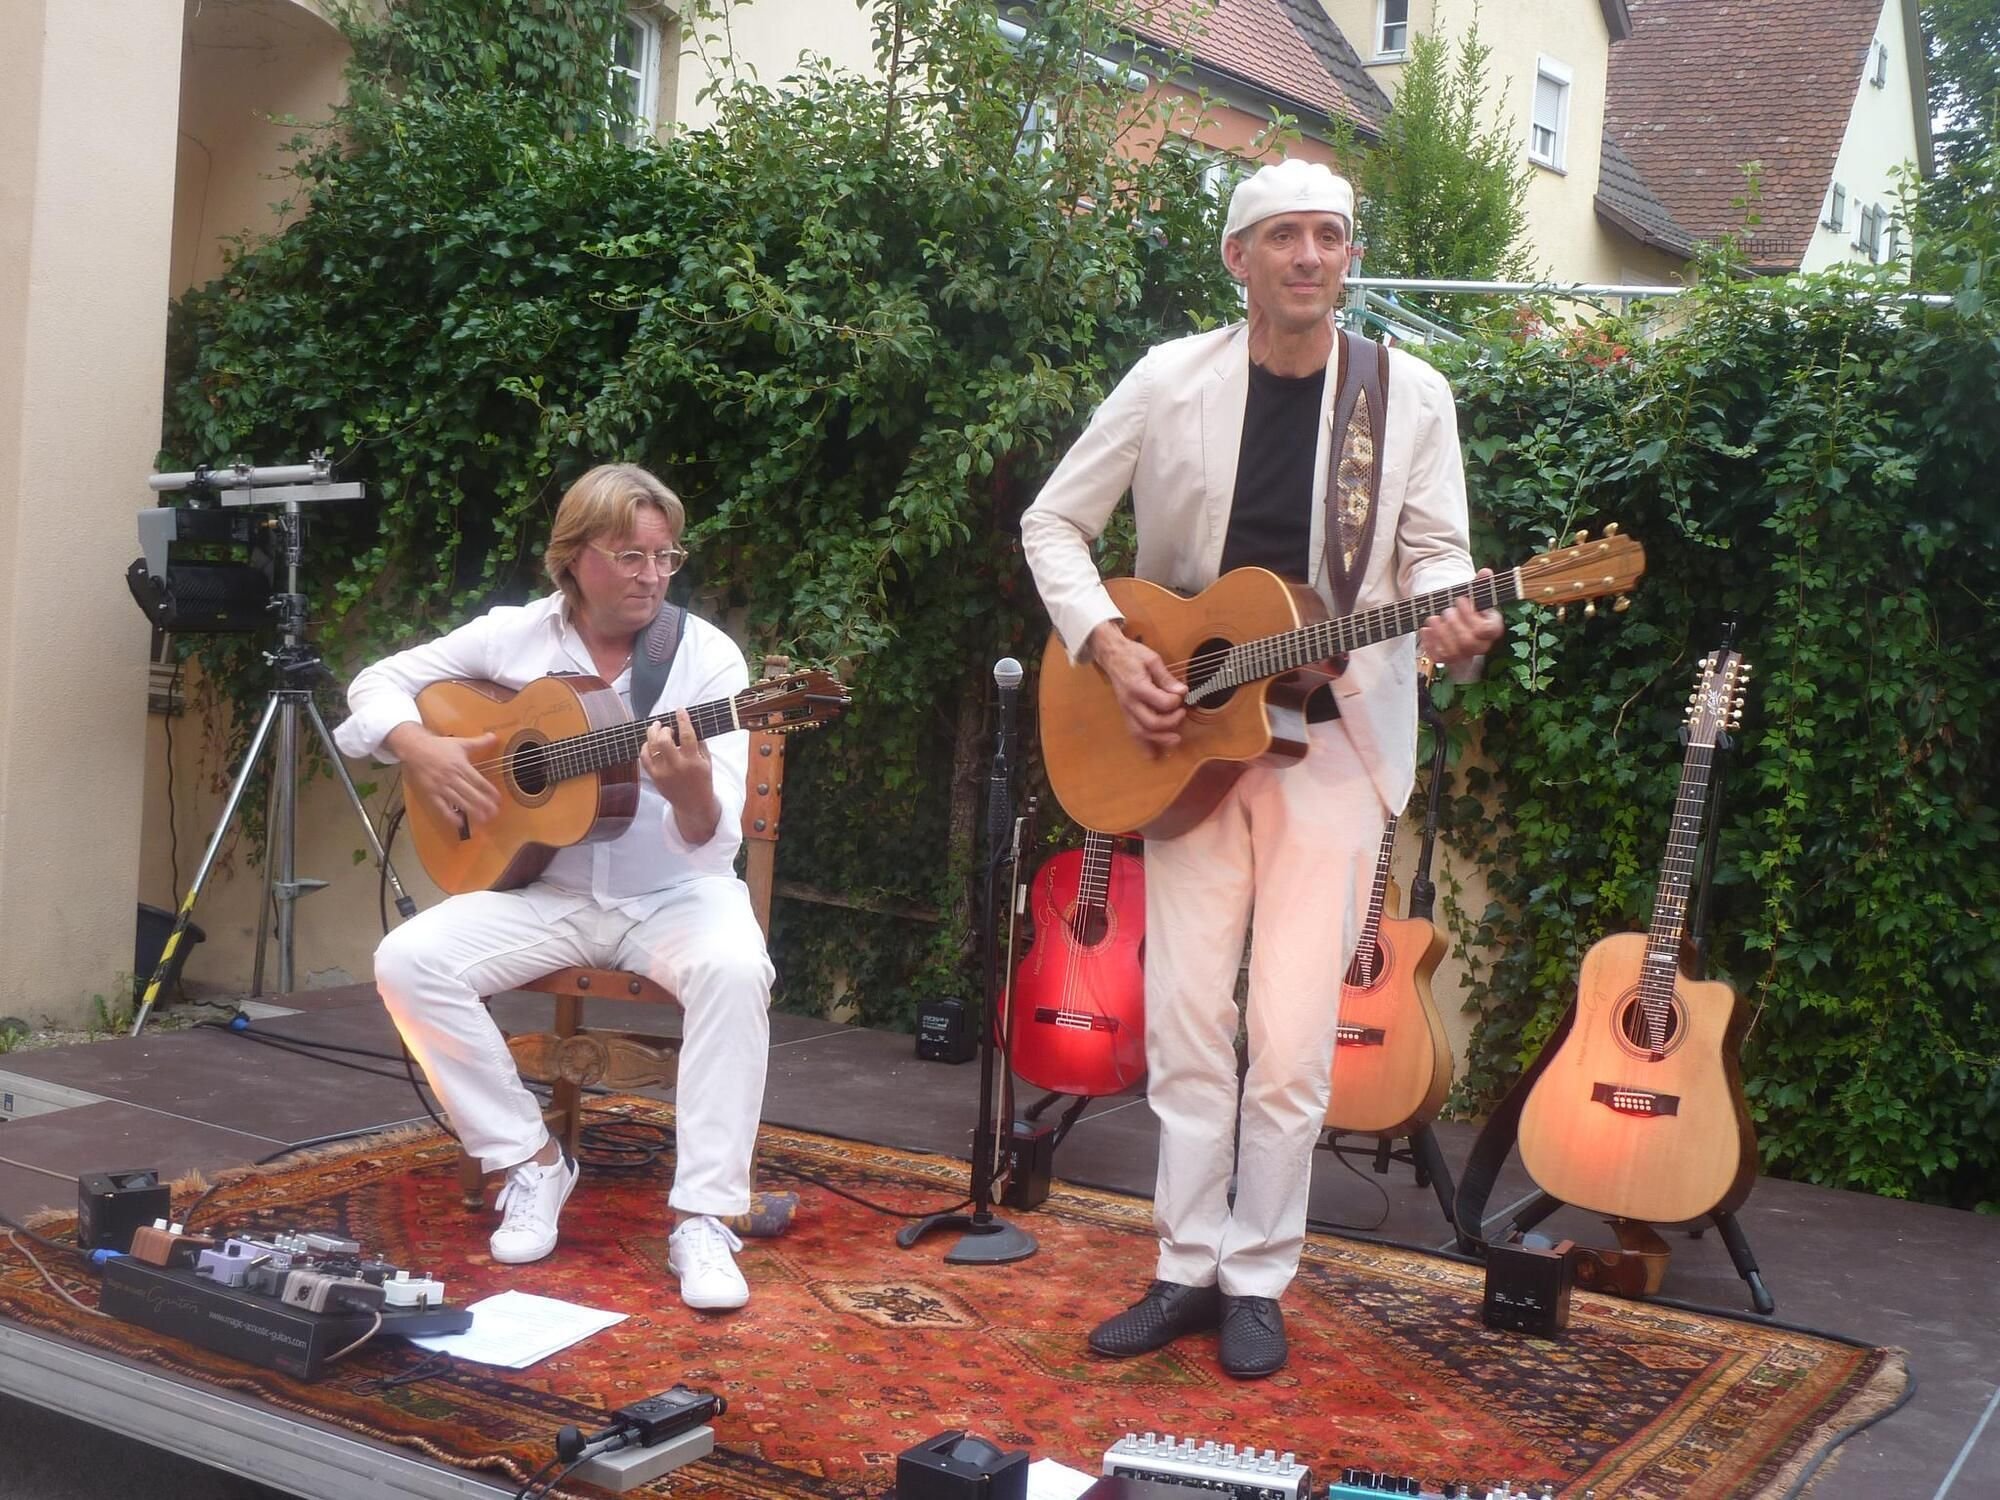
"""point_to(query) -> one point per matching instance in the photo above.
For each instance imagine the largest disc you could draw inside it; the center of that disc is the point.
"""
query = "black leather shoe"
(1253, 1337)
(1167, 1311)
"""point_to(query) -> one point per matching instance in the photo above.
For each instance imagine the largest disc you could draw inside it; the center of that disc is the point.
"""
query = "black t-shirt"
(1270, 519)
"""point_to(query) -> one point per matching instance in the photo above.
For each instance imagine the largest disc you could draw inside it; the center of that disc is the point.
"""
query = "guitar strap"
(1636, 1269)
(1354, 484)
(653, 658)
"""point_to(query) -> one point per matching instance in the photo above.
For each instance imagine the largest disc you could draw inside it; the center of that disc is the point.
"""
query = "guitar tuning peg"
(1611, 528)
(1562, 612)
(1582, 537)
(1590, 610)
(1622, 603)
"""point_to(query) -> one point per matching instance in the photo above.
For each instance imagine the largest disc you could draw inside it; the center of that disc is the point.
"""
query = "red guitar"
(1078, 1013)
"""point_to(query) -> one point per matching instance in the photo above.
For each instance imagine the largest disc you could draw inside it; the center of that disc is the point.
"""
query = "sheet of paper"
(516, 1329)
(1049, 1480)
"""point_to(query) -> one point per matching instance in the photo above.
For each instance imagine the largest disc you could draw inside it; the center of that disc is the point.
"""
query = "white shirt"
(515, 644)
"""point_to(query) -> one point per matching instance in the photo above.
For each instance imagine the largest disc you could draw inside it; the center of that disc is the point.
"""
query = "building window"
(1392, 27)
(1881, 76)
(1836, 208)
(1868, 233)
(1549, 124)
(635, 76)
(1892, 250)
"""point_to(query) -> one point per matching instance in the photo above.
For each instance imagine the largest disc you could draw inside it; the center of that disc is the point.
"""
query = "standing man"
(1226, 441)
(662, 898)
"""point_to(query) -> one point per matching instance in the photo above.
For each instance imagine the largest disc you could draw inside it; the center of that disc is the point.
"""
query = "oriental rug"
(852, 1349)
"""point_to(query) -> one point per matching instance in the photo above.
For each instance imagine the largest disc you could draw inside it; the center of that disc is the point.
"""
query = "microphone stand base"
(986, 1241)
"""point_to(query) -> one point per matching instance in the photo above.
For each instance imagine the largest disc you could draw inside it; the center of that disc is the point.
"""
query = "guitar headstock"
(1585, 570)
(1716, 704)
(794, 700)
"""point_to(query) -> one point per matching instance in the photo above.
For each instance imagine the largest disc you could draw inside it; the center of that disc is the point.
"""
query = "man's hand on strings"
(1461, 632)
(445, 771)
(1153, 699)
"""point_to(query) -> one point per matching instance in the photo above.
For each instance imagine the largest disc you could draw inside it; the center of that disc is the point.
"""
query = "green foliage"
(1818, 461)
(13, 1032)
(1962, 39)
(854, 325)
(1444, 193)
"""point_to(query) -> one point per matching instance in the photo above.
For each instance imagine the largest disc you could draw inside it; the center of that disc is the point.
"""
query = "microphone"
(999, 811)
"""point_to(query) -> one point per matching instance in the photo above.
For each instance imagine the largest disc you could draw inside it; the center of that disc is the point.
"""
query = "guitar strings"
(708, 719)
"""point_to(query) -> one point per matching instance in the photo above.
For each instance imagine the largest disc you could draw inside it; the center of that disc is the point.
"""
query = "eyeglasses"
(632, 561)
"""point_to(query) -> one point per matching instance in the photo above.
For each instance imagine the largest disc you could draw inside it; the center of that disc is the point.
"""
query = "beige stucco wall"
(1881, 137)
(86, 184)
(765, 40)
(246, 66)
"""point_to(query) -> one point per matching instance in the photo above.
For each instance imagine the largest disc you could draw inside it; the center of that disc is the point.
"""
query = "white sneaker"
(529, 1203)
(699, 1253)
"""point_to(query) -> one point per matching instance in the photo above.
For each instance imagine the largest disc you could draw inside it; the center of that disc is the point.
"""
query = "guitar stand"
(1420, 1152)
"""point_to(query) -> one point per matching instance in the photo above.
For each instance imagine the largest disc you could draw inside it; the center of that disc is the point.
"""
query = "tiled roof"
(1703, 86)
(1337, 55)
(1256, 42)
(1624, 200)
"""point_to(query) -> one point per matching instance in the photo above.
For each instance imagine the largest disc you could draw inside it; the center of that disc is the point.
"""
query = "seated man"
(662, 898)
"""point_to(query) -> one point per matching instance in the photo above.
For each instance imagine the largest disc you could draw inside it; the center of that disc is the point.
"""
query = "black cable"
(432, 1365)
(359, 1133)
(389, 830)
(43, 1240)
(1798, 1485)
(1335, 1225)
(529, 1491)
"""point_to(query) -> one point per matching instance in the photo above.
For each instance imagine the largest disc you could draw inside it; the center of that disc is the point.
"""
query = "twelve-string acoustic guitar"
(1640, 1112)
(1252, 647)
(566, 764)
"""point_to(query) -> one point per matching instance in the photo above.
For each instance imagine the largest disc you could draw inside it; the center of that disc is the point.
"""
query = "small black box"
(1031, 1150)
(956, 1465)
(111, 1205)
(944, 1032)
(1527, 1290)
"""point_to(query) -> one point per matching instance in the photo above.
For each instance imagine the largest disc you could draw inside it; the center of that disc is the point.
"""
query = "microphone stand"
(985, 1238)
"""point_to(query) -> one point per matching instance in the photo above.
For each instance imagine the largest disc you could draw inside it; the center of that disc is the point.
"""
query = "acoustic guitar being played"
(1251, 648)
(1639, 1114)
(1079, 1001)
(566, 764)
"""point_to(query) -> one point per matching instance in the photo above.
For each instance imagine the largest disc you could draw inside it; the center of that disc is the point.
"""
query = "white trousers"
(703, 945)
(1296, 846)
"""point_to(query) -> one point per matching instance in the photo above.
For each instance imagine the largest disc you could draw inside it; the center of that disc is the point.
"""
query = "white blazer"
(1170, 434)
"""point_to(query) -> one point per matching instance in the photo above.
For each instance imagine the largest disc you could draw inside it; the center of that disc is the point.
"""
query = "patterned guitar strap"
(653, 658)
(1354, 484)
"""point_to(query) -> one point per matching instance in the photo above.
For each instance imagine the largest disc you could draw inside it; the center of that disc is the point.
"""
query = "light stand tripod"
(296, 670)
(986, 1239)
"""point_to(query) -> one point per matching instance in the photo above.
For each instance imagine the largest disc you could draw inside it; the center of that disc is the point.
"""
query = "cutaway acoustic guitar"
(1391, 1059)
(1640, 1112)
(1251, 647)
(566, 764)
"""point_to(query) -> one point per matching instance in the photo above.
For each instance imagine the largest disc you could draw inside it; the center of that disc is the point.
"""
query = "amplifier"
(255, 1329)
(1244, 1474)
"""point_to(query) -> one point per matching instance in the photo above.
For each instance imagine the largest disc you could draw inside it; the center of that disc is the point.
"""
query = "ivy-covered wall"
(857, 324)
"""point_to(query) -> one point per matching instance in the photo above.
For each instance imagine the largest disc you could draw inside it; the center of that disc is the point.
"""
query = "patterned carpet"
(852, 1349)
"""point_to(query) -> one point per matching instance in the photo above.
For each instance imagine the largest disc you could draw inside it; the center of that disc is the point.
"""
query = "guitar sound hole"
(1634, 1022)
(1089, 927)
(529, 768)
(1204, 664)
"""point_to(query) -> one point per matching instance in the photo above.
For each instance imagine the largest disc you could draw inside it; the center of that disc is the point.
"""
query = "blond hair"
(605, 502)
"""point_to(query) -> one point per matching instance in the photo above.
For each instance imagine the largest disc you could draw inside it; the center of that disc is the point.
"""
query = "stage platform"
(74, 1423)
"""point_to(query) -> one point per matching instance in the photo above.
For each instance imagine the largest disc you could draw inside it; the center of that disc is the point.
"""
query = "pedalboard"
(1219, 1468)
(1367, 1484)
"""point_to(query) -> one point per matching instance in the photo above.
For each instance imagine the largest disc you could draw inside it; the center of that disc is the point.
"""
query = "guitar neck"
(1361, 972)
(1093, 886)
(1274, 655)
(1670, 898)
(598, 749)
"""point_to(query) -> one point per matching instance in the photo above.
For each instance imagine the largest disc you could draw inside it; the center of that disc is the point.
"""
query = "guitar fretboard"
(1273, 655)
(597, 749)
(1361, 972)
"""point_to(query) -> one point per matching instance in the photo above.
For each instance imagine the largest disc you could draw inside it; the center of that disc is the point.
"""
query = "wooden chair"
(573, 1058)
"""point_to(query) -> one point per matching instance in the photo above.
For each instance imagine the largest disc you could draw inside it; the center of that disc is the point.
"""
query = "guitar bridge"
(1627, 1101)
(1074, 1020)
(1360, 1036)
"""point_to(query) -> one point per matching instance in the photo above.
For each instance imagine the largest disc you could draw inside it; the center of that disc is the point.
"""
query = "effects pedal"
(168, 1245)
(1244, 1474)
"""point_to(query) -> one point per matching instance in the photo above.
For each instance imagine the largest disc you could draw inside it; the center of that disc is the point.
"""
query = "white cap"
(1289, 187)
